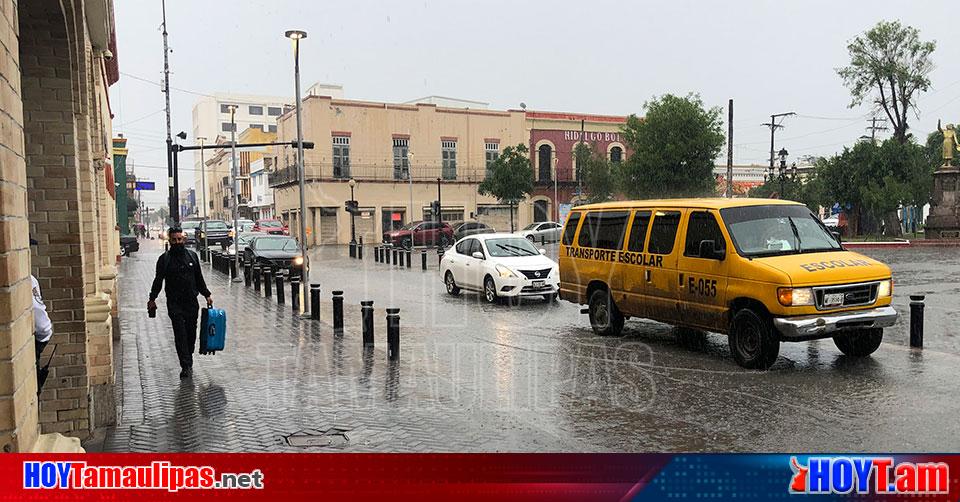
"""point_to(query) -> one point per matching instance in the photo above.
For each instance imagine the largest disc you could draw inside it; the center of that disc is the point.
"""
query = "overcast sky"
(593, 56)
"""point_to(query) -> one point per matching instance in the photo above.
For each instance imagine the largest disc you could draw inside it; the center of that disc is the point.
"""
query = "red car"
(420, 233)
(273, 227)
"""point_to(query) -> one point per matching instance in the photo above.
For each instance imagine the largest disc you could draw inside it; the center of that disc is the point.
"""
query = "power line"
(158, 84)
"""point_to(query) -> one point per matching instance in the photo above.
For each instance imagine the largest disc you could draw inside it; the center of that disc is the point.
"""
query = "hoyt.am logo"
(877, 475)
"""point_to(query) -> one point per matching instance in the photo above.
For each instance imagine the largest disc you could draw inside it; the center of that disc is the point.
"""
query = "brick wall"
(18, 403)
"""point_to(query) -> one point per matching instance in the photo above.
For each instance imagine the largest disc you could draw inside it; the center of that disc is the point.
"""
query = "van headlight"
(505, 272)
(885, 289)
(298, 260)
(795, 297)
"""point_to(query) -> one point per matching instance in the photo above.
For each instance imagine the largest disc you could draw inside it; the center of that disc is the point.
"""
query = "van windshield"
(776, 230)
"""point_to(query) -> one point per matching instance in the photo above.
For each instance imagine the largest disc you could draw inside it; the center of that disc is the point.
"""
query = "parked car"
(462, 229)
(273, 227)
(278, 251)
(189, 228)
(832, 223)
(243, 225)
(214, 233)
(420, 233)
(129, 245)
(499, 265)
(243, 241)
(548, 231)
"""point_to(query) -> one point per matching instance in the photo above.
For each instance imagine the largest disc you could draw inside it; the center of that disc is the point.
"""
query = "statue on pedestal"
(944, 219)
(950, 142)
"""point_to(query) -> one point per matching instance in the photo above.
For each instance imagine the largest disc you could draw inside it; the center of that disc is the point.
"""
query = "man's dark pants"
(183, 314)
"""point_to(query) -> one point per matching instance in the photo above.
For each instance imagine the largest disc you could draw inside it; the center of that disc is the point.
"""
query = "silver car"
(547, 231)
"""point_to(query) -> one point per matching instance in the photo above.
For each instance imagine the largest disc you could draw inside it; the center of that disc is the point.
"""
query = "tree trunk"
(891, 224)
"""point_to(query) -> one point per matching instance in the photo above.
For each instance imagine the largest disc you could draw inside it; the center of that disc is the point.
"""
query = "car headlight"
(298, 260)
(795, 297)
(505, 272)
(201, 234)
(885, 289)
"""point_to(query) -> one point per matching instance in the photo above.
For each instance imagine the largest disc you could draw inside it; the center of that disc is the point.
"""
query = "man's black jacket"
(182, 273)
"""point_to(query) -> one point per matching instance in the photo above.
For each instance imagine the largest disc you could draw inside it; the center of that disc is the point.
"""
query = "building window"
(256, 126)
(274, 111)
(256, 110)
(616, 155)
(401, 164)
(448, 152)
(272, 128)
(492, 154)
(225, 108)
(227, 126)
(341, 156)
(546, 155)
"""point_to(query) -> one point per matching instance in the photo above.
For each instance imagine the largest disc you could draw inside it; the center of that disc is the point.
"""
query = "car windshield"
(274, 244)
(270, 224)
(215, 225)
(187, 225)
(245, 239)
(513, 246)
(777, 230)
(411, 225)
(532, 226)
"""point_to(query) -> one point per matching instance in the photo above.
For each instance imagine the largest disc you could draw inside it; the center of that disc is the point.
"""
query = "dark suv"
(217, 233)
(420, 233)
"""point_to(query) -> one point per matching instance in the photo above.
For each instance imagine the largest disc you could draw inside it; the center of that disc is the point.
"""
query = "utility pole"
(174, 200)
(234, 174)
(773, 125)
(577, 158)
(873, 128)
(730, 149)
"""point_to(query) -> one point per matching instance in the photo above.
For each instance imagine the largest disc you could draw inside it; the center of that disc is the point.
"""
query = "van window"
(571, 229)
(663, 232)
(603, 230)
(638, 232)
(701, 227)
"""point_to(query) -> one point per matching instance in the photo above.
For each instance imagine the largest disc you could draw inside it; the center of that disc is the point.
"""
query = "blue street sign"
(145, 185)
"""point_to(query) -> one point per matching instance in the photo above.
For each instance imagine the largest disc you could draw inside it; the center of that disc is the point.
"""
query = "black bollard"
(394, 251)
(279, 279)
(338, 312)
(353, 249)
(400, 263)
(916, 321)
(267, 282)
(423, 260)
(295, 294)
(256, 277)
(233, 268)
(376, 254)
(360, 249)
(246, 273)
(393, 334)
(543, 240)
(387, 252)
(409, 258)
(315, 301)
(366, 315)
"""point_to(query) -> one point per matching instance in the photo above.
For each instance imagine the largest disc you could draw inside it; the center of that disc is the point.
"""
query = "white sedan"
(544, 231)
(499, 266)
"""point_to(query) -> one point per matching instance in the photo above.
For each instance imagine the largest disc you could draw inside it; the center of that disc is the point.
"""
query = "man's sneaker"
(186, 373)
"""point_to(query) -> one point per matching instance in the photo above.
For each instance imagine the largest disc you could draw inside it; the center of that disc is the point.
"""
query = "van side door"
(703, 279)
(633, 266)
(601, 241)
(661, 288)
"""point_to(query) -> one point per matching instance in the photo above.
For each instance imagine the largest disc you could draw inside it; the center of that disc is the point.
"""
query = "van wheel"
(605, 317)
(452, 288)
(859, 343)
(753, 342)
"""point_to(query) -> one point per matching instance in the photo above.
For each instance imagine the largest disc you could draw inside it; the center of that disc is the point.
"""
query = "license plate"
(832, 299)
(538, 284)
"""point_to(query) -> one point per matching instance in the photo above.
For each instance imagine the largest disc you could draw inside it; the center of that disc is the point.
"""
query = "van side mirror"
(478, 255)
(836, 235)
(709, 250)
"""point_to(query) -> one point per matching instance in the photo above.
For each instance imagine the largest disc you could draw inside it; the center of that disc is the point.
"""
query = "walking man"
(181, 270)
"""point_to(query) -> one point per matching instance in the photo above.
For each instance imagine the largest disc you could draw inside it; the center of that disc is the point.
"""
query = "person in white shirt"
(42, 327)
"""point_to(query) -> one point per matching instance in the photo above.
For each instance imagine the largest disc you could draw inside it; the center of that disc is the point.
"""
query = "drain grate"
(334, 437)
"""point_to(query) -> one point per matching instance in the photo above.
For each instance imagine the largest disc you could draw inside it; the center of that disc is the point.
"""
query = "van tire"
(860, 343)
(605, 317)
(753, 341)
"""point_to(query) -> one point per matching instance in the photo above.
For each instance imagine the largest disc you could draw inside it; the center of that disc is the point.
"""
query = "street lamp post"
(353, 226)
(410, 180)
(234, 172)
(783, 169)
(295, 36)
(203, 188)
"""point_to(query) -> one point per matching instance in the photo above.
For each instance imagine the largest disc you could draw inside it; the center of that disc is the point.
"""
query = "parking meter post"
(267, 282)
(916, 321)
(281, 275)
(366, 315)
(295, 294)
(393, 334)
(338, 312)
(315, 301)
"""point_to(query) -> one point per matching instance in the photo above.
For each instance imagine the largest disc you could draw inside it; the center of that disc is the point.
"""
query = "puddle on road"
(335, 437)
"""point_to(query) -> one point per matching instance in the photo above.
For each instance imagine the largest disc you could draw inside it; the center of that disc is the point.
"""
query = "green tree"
(598, 175)
(510, 179)
(889, 64)
(674, 146)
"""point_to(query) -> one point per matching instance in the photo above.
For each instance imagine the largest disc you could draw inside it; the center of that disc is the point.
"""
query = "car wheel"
(753, 342)
(407, 243)
(490, 290)
(452, 288)
(605, 317)
(859, 343)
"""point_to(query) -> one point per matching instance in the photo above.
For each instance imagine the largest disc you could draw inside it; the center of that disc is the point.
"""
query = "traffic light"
(435, 209)
(352, 206)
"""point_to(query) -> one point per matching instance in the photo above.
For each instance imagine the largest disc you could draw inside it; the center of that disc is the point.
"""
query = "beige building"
(57, 60)
(217, 170)
(396, 153)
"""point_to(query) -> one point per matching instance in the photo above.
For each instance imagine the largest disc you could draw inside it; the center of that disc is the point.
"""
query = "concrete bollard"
(256, 277)
(315, 301)
(281, 275)
(400, 263)
(366, 315)
(295, 294)
(423, 260)
(267, 282)
(246, 273)
(338, 312)
(409, 258)
(393, 334)
(916, 321)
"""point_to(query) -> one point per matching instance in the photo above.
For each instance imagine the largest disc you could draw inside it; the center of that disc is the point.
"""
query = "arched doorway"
(616, 155)
(546, 157)
(541, 210)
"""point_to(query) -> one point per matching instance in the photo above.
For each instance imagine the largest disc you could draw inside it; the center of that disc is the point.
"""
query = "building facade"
(58, 59)
(218, 167)
(261, 195)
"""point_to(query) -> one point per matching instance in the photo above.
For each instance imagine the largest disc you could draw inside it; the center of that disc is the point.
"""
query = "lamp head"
(182, 135)
(295, 34)
(352, 182)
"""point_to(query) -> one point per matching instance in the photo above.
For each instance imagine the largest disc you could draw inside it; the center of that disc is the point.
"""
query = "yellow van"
(761, 271)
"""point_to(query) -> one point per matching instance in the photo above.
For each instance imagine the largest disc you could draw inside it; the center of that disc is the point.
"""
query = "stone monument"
(944, 219)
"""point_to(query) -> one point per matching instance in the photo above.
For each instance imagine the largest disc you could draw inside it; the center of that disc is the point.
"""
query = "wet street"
(533, 377)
